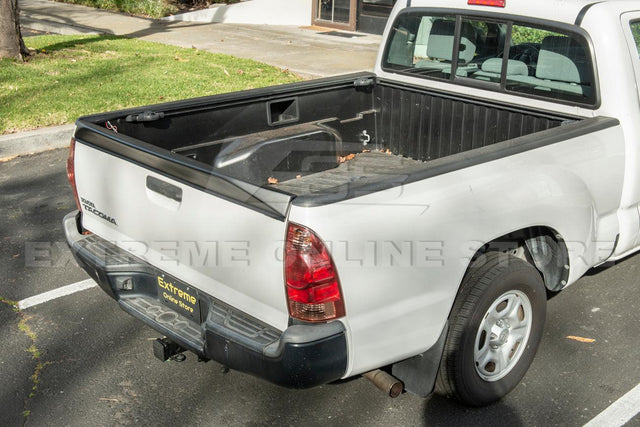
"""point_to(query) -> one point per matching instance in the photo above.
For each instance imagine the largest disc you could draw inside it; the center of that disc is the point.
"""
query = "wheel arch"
(541, 246)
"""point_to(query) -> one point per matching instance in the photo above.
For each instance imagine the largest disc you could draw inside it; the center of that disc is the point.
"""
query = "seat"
(562, 66)
(562, 59)
(440, 46)
(491, 69)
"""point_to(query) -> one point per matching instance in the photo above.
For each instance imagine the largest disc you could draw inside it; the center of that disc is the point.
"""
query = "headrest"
(440, 43)
(467, 42)
(562, 59)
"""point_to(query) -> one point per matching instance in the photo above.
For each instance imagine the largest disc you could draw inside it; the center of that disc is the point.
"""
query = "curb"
(35, 141)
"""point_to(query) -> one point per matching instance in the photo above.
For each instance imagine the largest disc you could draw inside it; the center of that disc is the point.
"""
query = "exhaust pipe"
(385, 382)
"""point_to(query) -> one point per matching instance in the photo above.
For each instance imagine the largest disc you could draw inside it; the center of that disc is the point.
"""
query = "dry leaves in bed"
(342, 159)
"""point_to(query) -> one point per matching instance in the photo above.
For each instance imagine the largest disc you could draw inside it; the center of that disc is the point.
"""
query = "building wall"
(261, 12)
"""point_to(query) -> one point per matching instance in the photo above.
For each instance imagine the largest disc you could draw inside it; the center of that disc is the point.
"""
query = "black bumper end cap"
(290, 363)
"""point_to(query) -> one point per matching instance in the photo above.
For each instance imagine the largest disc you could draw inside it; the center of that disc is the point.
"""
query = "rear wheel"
(495, 328)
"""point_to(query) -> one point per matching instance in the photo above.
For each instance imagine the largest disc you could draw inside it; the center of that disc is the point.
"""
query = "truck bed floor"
(369, 166)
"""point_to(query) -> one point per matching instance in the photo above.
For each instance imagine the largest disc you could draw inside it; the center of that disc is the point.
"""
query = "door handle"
(165, 189)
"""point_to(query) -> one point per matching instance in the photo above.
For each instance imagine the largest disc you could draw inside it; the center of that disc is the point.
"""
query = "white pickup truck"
(414, 219)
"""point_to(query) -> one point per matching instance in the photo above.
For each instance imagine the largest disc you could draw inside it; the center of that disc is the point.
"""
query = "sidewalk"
(304, 51)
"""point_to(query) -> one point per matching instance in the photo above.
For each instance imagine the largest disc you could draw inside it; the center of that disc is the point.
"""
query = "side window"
(635, 30)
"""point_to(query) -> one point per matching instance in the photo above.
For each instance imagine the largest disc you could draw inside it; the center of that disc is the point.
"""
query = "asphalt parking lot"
(79, 359)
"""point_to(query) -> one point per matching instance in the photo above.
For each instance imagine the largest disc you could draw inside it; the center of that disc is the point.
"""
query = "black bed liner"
(363, 167)
(237, 145)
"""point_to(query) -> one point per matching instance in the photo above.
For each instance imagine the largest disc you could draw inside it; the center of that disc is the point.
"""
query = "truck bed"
(296, 135)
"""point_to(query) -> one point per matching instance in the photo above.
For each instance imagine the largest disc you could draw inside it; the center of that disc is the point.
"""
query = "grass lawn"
(71, 76)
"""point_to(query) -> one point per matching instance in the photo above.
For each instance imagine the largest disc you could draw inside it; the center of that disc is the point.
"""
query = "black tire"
(493, 281)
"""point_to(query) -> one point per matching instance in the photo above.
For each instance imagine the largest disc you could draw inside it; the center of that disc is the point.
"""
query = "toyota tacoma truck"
(407, 224)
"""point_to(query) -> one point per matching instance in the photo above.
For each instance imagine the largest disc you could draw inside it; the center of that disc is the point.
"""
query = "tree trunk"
(11, 43)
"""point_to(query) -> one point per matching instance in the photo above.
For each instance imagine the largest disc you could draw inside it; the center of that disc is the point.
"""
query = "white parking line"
(620, 411)
(56, 293)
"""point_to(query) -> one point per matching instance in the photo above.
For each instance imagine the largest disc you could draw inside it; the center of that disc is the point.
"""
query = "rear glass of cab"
(498, 54)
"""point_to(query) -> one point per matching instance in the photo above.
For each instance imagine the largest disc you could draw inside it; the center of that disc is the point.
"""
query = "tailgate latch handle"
(164, 188)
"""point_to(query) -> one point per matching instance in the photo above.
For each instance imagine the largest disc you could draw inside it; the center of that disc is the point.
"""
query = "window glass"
(481, 47)
(539, 61)
(334, 10)
(549, 64)
(635, 30)
(422, 45)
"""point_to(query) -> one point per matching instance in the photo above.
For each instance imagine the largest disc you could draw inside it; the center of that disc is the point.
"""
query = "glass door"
(335, 13)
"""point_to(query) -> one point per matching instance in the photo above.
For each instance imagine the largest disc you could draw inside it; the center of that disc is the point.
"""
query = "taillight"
(71, 170)
(313, 287)
(495, 3)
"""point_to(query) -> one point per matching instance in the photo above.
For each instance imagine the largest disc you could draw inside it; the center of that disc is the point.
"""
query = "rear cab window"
(503, 55)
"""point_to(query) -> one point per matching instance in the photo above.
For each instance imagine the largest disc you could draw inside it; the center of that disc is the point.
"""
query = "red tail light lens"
(313, 286)
(71, 170)
(495, 3)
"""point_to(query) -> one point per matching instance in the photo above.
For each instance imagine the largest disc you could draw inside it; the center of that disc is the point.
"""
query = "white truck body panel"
(205, 239)
(402, 252)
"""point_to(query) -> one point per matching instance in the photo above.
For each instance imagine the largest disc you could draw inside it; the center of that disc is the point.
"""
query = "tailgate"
(219, 235)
